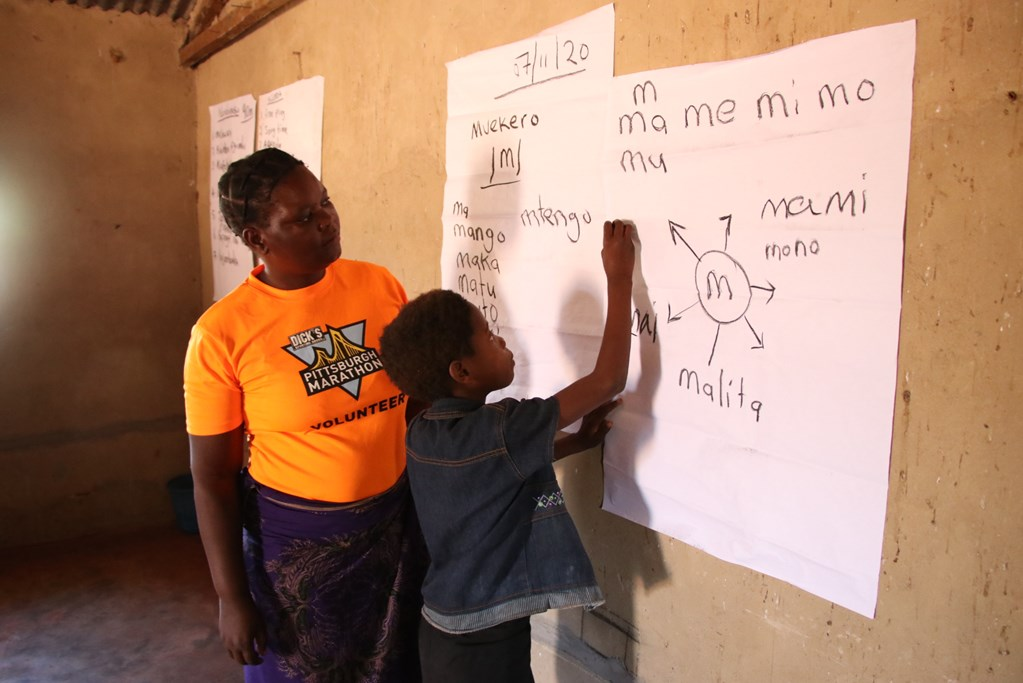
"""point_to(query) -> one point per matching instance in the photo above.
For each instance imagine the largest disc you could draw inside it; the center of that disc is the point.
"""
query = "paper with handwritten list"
(769, 194)
(524, 181)
(291, 118)
(232, 135)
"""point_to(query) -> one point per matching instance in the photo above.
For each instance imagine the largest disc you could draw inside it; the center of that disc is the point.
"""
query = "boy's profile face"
(492, 364)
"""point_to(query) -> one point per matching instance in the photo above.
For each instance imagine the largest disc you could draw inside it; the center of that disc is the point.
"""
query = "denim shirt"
(502, 544)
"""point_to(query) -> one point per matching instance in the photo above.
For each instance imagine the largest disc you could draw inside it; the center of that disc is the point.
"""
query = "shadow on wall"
(625, 555)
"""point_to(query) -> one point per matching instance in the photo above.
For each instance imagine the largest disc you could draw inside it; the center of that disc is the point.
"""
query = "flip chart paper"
(232, 135)
(291, 118)
(770, 195)
(523, 199)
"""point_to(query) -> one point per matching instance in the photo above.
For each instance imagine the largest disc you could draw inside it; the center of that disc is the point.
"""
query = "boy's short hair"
(418, 346)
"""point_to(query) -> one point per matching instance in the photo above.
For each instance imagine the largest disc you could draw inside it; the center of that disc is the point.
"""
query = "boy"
(502, 545)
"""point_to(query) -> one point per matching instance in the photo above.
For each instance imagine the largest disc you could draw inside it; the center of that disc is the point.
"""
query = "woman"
(315, 551)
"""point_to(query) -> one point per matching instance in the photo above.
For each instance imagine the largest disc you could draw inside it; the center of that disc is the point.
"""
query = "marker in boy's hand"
(619, 252)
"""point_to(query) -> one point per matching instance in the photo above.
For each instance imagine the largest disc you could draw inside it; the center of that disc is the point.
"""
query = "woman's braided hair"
(247, 183)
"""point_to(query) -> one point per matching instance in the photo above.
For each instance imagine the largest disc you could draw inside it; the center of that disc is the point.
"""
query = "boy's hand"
(594, 426)
(592, 430)
(619, 252)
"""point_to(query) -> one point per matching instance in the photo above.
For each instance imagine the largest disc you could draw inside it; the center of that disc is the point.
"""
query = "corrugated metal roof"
(174, 9)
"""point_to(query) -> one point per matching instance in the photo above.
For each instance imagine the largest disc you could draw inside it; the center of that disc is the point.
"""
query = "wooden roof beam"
(229, 28)
(202, 16)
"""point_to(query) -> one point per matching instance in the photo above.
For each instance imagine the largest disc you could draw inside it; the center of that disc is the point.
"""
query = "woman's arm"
(216, 463)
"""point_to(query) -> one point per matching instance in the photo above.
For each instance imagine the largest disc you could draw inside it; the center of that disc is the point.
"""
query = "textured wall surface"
(99, 268)
(950, 583)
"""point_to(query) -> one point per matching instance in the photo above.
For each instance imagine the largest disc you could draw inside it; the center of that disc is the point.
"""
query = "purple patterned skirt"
(338, 585)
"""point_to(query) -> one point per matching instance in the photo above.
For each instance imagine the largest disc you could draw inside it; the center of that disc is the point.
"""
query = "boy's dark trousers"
(499, 654)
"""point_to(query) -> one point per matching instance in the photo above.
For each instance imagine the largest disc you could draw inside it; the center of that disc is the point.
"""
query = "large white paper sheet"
(523, 201)
(770, 195)
(232, 135)
(291, 118)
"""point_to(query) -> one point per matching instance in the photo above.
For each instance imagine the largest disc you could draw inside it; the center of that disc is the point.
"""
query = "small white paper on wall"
(232, 135)
(291, 118)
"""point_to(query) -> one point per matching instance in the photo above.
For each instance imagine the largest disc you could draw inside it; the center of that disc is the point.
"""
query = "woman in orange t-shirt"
(297, 445)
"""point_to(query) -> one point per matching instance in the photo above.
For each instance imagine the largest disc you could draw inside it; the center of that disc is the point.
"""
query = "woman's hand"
(242, 630)
(216, 461)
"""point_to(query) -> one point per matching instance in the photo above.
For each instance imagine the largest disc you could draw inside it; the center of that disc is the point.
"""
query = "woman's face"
(302, 231)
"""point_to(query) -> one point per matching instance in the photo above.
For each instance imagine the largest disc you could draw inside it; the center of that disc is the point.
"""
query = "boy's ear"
(459, 373)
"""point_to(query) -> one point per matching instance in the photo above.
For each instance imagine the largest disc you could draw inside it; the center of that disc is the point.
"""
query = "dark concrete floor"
(137, 608)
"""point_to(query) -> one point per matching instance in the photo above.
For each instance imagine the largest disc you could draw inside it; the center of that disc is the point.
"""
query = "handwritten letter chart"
(769, 194)
(291, 118)
(523, 200)
(232, 133)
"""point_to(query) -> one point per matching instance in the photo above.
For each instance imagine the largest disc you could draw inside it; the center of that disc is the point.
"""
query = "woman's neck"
(289, 280)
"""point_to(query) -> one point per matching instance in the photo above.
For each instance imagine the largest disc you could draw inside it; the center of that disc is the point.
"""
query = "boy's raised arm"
(611, 370)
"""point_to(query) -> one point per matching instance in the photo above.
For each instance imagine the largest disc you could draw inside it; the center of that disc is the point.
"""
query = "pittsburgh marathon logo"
(336, 358)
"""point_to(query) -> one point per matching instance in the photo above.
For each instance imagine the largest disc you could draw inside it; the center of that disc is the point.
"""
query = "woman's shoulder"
(350, 273)
(352, 267)
(237, 303)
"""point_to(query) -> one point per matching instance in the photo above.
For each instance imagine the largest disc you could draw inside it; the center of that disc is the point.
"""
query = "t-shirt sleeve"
(213, 396)
(529, 430)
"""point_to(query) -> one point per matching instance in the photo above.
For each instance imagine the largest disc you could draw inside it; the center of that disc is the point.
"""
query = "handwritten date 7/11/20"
(551, 58)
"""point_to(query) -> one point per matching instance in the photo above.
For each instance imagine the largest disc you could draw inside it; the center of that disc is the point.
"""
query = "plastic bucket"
(182, 493)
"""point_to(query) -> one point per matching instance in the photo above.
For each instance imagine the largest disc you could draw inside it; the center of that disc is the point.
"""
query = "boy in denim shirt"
(502, 544)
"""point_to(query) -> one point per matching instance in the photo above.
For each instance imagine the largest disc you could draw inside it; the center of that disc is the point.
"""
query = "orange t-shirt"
(300, 369)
